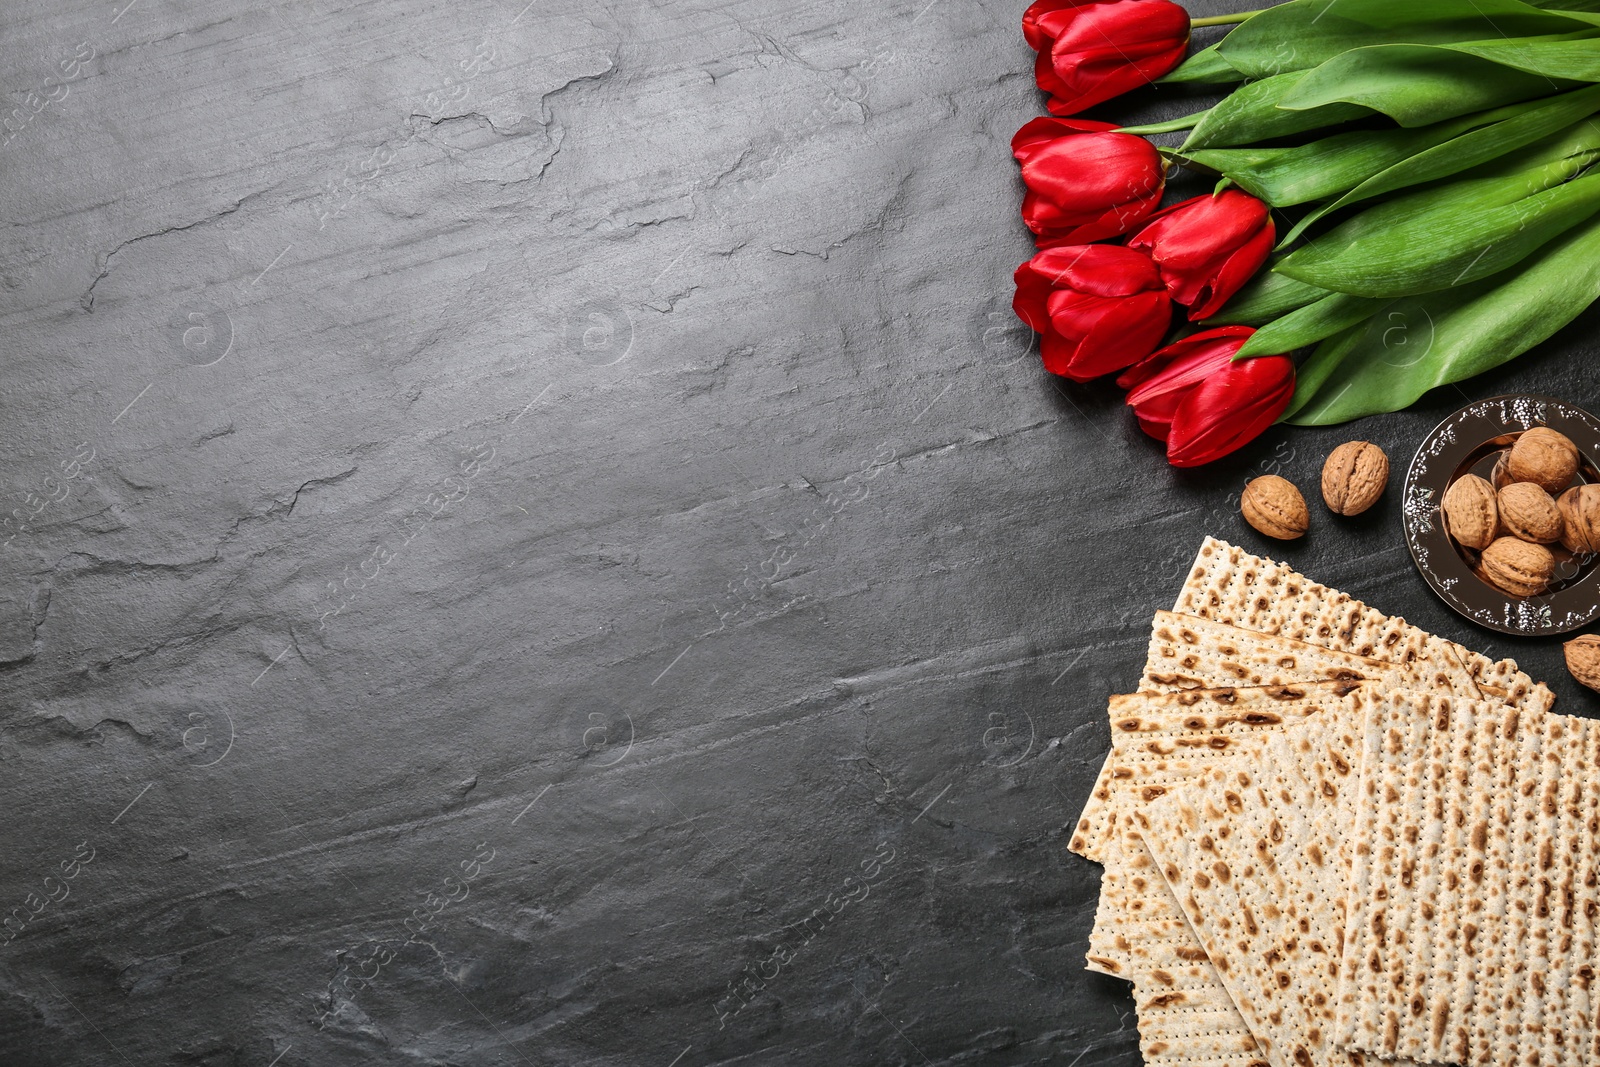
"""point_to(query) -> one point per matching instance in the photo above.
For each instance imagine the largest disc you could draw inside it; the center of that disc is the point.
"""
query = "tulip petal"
(1029, 302)
(1120, 339)
(1103, 307)
(1057, 353)
(1158, 428)
(1182, 365)
(1101, 270)
(1195, 243)
(1106, 49)
(1044, 74)
(1039, 28)
(1229, 409)
(1105, 269)
(1086, 184)
(1113, 222)
(1157, 383)
(1104, 168)
(1238, 269)
(1036, 133)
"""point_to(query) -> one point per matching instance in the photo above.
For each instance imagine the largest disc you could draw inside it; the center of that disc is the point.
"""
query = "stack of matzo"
(1331, 838)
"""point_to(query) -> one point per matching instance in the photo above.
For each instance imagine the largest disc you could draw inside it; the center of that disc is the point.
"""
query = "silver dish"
(1470, 441)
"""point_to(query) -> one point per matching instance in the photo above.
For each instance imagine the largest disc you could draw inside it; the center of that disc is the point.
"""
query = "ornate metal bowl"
(1470, 441)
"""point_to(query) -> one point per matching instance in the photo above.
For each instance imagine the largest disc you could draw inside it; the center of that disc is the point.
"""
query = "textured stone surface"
(528, 506)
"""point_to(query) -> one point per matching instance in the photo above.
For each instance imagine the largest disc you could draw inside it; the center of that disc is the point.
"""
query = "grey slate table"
(541, 542)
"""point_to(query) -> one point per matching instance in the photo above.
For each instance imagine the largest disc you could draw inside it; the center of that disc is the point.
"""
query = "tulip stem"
(1188, 122)
(1225, 20)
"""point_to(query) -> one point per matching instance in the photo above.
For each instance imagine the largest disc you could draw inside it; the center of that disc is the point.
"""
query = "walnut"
(1545, 457)
(1471, 515)
(1580, 519)
(1526, 511)
(1354, 477)
(1517, 567)
(1583, 659)
(1275, 507)
(1500, 476)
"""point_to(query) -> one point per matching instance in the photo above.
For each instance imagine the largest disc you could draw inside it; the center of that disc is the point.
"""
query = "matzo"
(1256, 852)
(1161, 739)
(1135, 716)
(1140, 933)
(1186, 1017)
(1439, 946)
(1507, 974)
(1201, 650)
(1583, 1005)
(1190, 652)
(1228, 584)
(1535, 809)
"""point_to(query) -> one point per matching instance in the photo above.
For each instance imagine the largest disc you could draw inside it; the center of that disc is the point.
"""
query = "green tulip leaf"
(1325, 168)
(1418, 343)
(1504, 18)
(1575, 8)
(1578, 60)
(1313, 374)
(1308, 325)
(1515, 127)
(1205, 67)
(1307, 33)
(1448, 236)
(1265, 297)
(1252, 113)
(1413, 84)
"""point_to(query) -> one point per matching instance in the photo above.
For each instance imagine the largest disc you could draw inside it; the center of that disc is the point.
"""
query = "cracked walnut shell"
(1471, 514)
(1517, 567)
(1354, 477)
(1543, 456)
(1526, 511)
(1275, 507)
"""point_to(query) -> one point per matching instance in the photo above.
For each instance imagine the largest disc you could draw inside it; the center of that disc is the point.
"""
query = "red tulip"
(1092, 50)
(1208, 247)
(1202, 404)
(1099, 308)
(1085, 183)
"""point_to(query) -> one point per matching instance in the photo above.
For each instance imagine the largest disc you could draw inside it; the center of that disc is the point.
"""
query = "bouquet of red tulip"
(1435, 162)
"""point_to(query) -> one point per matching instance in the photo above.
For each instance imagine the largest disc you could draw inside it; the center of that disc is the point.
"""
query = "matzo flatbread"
(1439, 937)
(1160, 740)
(1231, 586)
(1185, 1013)
(1523, 999)
(1136, 716)
(1583, 1004)
(1255, 852)
(1485, 902)
(1228, 584)
(1196, 650)
(1189, 652)
(1508, 973)
(1186, 1017)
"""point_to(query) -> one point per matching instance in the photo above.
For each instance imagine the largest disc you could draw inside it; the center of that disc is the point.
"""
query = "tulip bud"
(1193, 396)
(1207, 248)
(1085, 183)
(1092, 51)
(1099, 308)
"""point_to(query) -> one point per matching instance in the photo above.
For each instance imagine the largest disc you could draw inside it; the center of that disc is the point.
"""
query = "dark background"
(572, 471)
